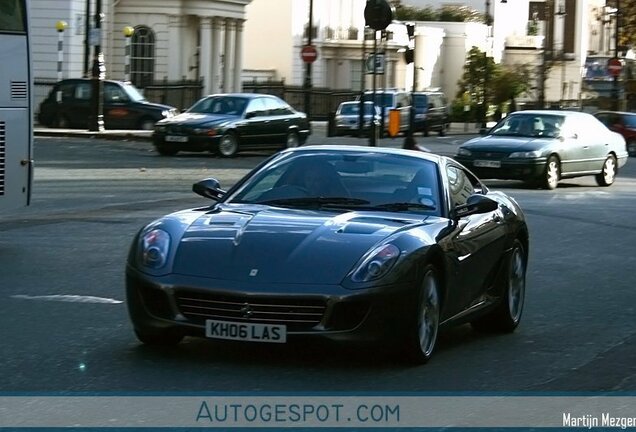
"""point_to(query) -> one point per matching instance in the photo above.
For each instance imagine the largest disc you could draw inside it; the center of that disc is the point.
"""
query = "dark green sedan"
(228, 123)
(542, 147)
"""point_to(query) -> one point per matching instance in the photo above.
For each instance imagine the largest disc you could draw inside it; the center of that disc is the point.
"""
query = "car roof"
(615, 112)
(432, 157)
(244, 95)
(550, 112)
(74, 80)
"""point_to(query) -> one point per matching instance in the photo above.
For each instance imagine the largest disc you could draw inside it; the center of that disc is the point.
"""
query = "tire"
(631, 147)
(164, 338)
(506, 316)
(166, 151)
(228, 146)
(292, 140)
(422, 338)
(146, 123)
(608, 173)
(425, 130)
(442, 130)
(62, 122)
(551, 174)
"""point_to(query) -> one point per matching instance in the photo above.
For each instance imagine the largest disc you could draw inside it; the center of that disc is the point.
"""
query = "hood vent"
(2, 156)
(18, 90)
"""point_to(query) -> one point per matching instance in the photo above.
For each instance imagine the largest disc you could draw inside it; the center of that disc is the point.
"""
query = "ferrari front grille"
(296, 314)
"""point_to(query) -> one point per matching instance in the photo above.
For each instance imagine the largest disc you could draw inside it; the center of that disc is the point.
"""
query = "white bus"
(16, 114)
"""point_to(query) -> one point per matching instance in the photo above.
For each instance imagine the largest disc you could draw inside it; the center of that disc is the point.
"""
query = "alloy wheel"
(516, 285)
(228, 145)
(552, 173)
(428, 321)
(292, 140)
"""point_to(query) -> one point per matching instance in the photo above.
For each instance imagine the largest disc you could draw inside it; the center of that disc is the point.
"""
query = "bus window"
(12, 16)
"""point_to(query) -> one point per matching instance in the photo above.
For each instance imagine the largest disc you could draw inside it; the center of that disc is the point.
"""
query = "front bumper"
(509, 169)
(194, 143)
(183, 304)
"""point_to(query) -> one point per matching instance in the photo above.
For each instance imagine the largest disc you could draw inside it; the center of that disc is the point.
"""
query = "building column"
(205, 53)
(176, 24)
(216, 55)
(228, 61)
(238, 56)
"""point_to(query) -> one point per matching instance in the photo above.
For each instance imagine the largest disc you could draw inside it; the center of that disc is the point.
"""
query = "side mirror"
(209, 188)
(476, 204)
(249, 115)
(483, 131)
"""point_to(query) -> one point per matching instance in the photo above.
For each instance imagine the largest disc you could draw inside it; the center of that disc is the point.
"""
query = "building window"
(356, 74)
(142, 57)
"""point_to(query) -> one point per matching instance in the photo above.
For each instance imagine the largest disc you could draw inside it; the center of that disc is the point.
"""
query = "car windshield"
(388, 99)
(343, 181)
(220, 105)
(630, 121)
(420, 101)
(529, 125)
(354, 108)
(133, 93)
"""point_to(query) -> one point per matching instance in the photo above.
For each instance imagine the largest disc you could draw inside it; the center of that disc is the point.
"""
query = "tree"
(453, 13)
(478, 73)
(627, 34)
(510, 82)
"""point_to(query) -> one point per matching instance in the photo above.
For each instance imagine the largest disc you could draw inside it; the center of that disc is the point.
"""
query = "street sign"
(309, 54)
(379, 63)
(614, 66)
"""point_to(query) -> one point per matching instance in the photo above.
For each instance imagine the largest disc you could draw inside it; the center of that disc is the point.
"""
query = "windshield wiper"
(316, 201)
(403, 206)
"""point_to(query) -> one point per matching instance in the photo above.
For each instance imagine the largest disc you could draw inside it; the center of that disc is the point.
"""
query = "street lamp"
(409, 140)
(615, 92)
(96, 118)
(128, 32)
(60, 26)
(484, 108)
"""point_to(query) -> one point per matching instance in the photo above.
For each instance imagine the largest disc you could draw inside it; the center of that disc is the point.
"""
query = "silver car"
(543, 147)
(348, 118)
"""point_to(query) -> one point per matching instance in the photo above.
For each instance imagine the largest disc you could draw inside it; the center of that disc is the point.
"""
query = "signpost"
(378, 67)
(309, 54)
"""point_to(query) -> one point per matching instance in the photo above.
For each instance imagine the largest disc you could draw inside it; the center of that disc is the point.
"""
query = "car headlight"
(166, 113)
(463, 152)
(526, 155)
(160, 128)
(155, 245)
(205, 131)
(420, 116)
(376, 264)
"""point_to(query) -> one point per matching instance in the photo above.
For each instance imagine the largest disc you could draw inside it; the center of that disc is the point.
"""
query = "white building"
(173, 40)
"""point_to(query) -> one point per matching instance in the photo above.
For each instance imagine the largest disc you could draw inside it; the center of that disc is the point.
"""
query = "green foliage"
(450, 13)
(510, 82)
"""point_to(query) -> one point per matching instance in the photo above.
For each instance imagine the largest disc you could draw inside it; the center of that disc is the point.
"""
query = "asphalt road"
(65, 326)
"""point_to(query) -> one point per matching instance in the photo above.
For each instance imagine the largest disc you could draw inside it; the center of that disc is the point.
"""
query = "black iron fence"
(182, 94)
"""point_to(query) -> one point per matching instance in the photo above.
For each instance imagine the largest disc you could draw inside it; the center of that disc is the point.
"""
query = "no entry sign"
(309, 54)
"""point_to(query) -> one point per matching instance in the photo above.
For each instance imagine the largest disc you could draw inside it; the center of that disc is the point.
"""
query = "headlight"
(155, 245)
(166, 113)
(205, 131)
(463, 152)
(420, 116)
(376, 264)
(526, 155)
(160, 128)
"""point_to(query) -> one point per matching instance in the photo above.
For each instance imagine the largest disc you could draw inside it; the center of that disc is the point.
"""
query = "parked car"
(543, 147)
(623, 123)
(68, 105)
(340, 242)
(387, 99)
(347, 119)
(229, 123)
(431, 112)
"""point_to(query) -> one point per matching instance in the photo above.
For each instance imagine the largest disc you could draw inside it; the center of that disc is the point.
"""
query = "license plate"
(176, 138)
(252, 332)
(487, 164)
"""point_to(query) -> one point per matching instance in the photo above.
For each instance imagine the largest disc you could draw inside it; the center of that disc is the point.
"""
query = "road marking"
(68, 298)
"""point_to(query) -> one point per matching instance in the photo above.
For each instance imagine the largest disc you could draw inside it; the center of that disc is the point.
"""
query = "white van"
(392, 99)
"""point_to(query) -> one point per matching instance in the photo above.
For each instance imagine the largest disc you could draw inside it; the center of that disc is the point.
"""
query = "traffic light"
(378, 14)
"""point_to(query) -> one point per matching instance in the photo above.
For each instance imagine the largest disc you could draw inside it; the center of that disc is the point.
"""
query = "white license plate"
(176, 138)
(487, 164)
(272, 333)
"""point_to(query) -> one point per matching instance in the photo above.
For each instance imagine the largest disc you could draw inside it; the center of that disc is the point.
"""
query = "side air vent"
(3, 143)
(18, 90)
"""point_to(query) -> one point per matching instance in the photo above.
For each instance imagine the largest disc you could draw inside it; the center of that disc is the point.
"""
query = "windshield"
(630, 121)
(354, 108)
(133, 93)
(388, 99)
(420, 100)
(345, 181)
(222, 105)
(529, 125)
